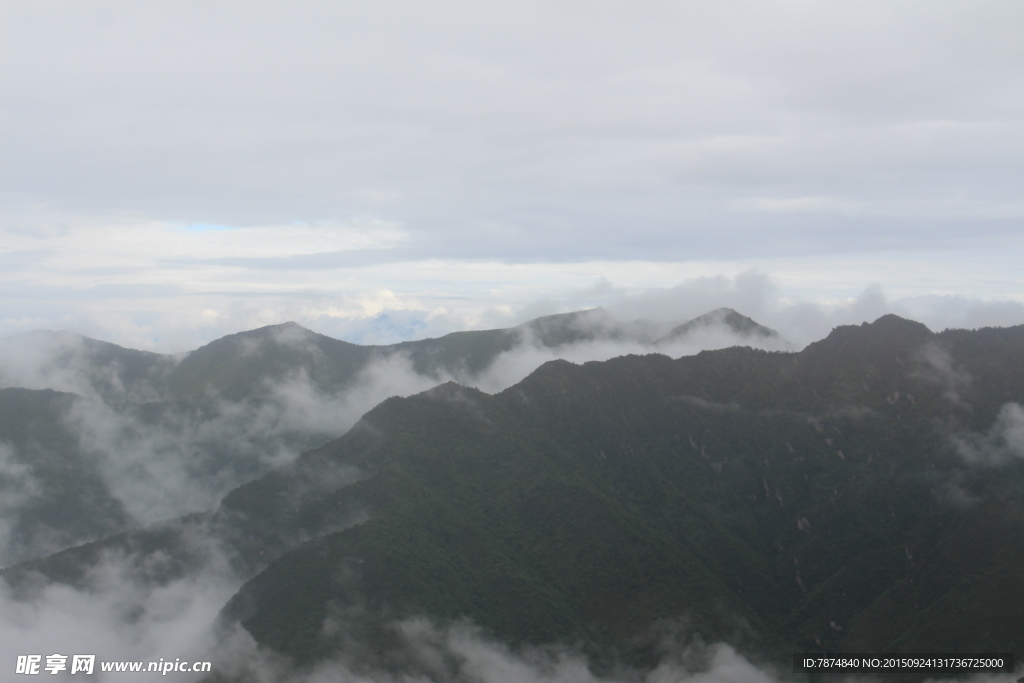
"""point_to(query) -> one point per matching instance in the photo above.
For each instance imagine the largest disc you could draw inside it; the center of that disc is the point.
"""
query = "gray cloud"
(940, 370)
(467, 160)
(186, 460)
(651, 131)
(512, 366)
(1003, 443)
(17, 487)
(119, 612)
(758, 295)
(62, 361)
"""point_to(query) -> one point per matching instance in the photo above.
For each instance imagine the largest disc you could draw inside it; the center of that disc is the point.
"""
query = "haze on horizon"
(173, 172)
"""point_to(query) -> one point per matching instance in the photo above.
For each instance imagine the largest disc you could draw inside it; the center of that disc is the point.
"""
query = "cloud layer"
(173, 171)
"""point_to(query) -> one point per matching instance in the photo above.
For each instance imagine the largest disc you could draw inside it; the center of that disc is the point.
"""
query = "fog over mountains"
(98, 438)
(774, 403)
(575, 499)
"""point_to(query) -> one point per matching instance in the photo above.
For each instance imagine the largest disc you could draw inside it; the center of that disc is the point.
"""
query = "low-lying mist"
(160, 456)
(460, 652)
(119, 614)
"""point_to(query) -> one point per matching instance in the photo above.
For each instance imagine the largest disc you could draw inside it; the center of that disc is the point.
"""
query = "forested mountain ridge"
(239, 366)
(861, 495)
(154, 436)
(47, 481)
(811, 496)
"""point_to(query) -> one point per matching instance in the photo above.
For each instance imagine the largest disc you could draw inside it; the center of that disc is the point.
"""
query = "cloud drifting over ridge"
(803, 306)
(127, 608)
(160, 456)
(1003, 443)
(120, 614)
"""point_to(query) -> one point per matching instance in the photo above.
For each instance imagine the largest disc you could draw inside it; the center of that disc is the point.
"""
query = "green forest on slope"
(812, 501)
(779, 501)
(151, 426)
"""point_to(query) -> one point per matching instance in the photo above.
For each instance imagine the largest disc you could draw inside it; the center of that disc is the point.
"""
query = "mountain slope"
(170, 435)
(69, 362)
(51, 493)
(241, 365)
(810, 496)
(863, 494)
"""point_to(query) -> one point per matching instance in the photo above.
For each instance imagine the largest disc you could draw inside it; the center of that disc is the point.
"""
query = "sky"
(174, 171)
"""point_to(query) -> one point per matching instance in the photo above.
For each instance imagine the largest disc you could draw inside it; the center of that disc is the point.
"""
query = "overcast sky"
(171, 171)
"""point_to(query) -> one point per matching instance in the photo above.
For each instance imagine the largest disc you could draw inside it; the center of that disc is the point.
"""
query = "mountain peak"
(891, 321)
(723, 317)
(888, 328)
(287, 329)
(887, 335)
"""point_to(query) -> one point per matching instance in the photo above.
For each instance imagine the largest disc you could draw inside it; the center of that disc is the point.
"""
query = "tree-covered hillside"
(861, 495)
(142, 436)
(813, 500)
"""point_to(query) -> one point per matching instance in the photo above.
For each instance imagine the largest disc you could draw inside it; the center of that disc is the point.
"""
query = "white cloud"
(120, 612)
(479, 158)
(1003, 443)
(386, 303)
(526, 132)
(17, 486)
(461, 652)
(138, 244)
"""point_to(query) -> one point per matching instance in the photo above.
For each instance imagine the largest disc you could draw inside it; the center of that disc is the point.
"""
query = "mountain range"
(239, 366)
(863, 494)
(97, 438)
